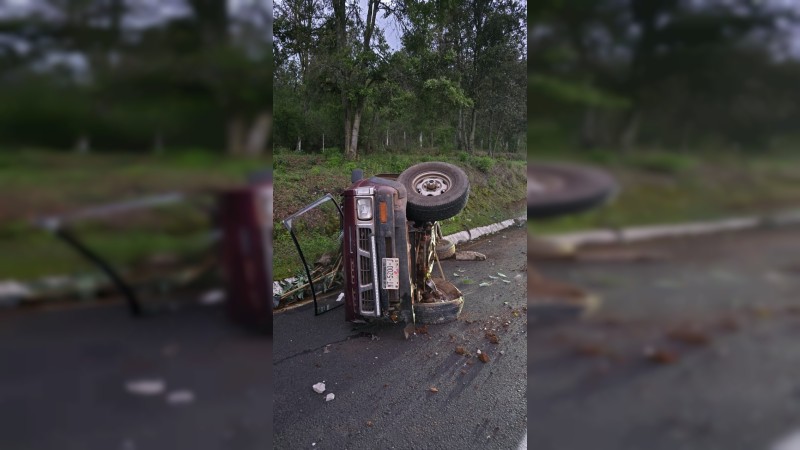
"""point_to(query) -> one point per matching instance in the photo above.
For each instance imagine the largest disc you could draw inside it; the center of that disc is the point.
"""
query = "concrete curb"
(571, 241)
(468, 235)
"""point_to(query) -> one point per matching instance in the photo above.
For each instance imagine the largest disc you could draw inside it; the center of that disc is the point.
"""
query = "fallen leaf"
(492, 338)
(460, 350)
(483, 357)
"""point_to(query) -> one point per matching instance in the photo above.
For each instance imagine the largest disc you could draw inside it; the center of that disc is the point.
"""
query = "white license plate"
(391, 273)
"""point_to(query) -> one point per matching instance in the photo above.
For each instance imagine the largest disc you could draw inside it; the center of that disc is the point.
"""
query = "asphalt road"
(382, 382)
(63, 377)
(698, 350)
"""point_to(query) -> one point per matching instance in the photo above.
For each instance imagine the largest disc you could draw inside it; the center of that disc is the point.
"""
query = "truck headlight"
(364, 207)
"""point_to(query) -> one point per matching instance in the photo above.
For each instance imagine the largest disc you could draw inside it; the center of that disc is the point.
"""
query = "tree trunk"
(588, 135)
(471, 140)
(235, 135)
(352, 151)
(630, 131)
(256, 142)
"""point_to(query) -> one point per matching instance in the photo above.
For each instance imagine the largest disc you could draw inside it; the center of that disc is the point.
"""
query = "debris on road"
(369, 423)
(483, 357)
(502, 275)
(148, 387)
(460, 350)
(484, 284)
(408, 330)
(661, 356)
(423, 329)
(340, 297)
(329, 397)
(212, 297)
(180, 397)
(327, 349)
(492, 337)
(468, 255)
(319, 388)
(434, 390)
(690, 336)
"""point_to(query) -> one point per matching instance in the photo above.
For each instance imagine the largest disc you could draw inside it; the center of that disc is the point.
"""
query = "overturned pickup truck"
(389, 239)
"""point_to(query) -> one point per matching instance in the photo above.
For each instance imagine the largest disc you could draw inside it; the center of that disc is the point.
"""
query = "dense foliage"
(135, 75)
(453, 77)
(674, 74)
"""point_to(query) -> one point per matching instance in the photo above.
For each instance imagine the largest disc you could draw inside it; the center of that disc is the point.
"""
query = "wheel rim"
(431, 184)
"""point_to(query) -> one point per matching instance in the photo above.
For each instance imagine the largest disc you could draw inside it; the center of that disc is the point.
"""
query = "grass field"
(40, 183)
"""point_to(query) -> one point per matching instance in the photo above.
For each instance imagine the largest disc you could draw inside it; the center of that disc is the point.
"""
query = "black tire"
(440, 312)
(446, 197)
(356, 175)
(445, 249)
(561, 189)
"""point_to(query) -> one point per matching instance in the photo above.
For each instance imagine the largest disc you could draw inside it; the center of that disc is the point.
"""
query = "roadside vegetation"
(38, 183)
(667, 187)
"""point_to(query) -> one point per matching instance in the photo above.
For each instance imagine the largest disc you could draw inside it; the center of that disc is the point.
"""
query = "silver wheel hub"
(431, 184)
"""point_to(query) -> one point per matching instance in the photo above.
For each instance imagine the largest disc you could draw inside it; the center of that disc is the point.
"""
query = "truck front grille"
(364, 271)
(368, 300)
(363, 239)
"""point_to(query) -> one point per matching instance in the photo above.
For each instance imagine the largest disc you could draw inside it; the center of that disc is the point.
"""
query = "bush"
(483, 163)
(666, 163)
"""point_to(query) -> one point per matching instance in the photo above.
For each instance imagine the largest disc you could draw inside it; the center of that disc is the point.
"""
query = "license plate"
(391, 273)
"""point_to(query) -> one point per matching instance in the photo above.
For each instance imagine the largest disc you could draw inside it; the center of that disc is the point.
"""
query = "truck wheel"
(561, 189)
(436, 191)
(445, 249)
(441, 311)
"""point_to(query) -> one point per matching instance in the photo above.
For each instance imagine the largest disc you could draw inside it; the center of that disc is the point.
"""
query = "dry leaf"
(484, 357)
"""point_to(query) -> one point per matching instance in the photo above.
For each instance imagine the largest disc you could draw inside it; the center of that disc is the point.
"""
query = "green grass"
(657, 187)
(36, 183)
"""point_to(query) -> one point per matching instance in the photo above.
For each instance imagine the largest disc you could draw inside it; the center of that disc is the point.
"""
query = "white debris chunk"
(492, 277)
(146, 387)
(329, 397)
(180, 397)
(319, 388)
(505, 281)
(213, 297)
(12, 292)
(502, 275)
(484, 284)
(340, 297)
